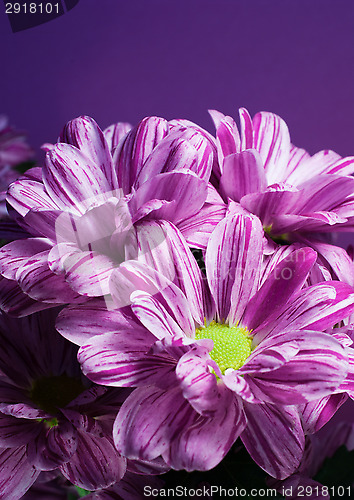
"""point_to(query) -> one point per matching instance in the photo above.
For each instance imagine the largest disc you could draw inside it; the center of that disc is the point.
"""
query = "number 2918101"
(32, 8)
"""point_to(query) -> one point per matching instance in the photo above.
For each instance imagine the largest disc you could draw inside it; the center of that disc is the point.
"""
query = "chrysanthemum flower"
(297, 196)
(317, 450)
(56, 487)
(211, 368)
(82, 210)
(51, 416)
(14, 150)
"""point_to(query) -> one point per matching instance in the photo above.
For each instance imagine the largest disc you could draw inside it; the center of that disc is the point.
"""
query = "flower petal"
(233, 260)
(15, 302)
(17, 473)
(25, 194)
(317, 307)
(227, 135)
(95, 465)
(78, 323)
(141, 432)
(281, 284)
(115, 133)
(186, 192)
(272, 140)
(191, 449)
(274, 438)
(72, 180)
(14, 254)
(53, 447)
(316, 371)
(15, 432)
(121, 359)
(85, 135)
(135, 149)
(184, 150)
(198, 384)
(316, 414)
(243, 173)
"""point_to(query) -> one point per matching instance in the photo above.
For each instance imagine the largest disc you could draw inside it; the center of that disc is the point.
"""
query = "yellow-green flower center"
(51, 393)
(281, 239)
(232, 345)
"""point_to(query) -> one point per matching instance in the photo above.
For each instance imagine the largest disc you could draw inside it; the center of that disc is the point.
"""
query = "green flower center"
(232, 344)
(281, 239)
(51, 393)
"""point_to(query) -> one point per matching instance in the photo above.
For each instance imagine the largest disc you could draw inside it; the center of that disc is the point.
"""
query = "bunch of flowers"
(168, 294)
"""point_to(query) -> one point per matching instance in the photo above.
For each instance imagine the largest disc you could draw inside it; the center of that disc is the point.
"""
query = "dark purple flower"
(51, 417)
(318, 448)
(13, 151)
(55, 487)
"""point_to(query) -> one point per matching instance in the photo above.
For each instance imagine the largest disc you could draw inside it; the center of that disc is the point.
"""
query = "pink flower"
(212, 363)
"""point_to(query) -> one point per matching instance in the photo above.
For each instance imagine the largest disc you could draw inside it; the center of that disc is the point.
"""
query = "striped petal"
(308, 166)
(141, 432)
(199, 386)
(227, 136)
(198, 227)
(96, 463)
(163, 247)
(317, 307)
(243, 173)
(272, 141)
(15, 302)
(17, 473)
(185, 190)
(186, 150)
(136, 276)
(15, 254)
(286, 279)
(135, 149)
(306, 376)
(115, 133)
(15, 432)
(25, 194)
(233, 259)
(78, 323)
(85, 135)
(53, 447)
(190, 450)
(121, 359)
(72, 180)
(278, 199)
(246, 127)
(316, 414)
(274, 438)
(41, 284)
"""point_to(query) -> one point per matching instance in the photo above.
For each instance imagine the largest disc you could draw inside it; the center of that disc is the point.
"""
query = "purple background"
(122, 60)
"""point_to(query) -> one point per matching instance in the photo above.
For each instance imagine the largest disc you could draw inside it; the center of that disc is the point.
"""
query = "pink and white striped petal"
(272, 141)
(86, 135)
(134, 150)
(233, 263)
(274, 438)
(243, 173)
